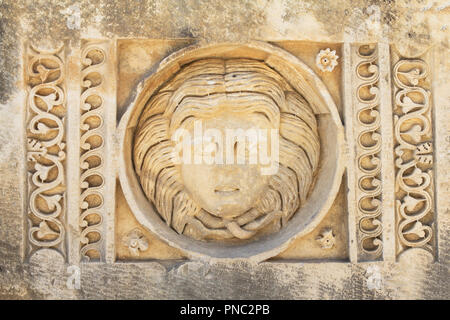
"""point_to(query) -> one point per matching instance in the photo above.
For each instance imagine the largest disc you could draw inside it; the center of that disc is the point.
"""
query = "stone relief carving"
(414, 155)
(221, 209)
(46, 111)
(62, 200)
(228, 84)
(368, 147)
(226, 201)
(92, 179)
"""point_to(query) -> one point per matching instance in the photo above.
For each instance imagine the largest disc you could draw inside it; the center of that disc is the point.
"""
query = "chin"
(229, 210)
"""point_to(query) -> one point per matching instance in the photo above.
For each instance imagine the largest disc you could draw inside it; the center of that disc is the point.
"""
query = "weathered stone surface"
(96, 59)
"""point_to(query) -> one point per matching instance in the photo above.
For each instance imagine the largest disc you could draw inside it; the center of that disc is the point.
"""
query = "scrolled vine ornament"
(46, 150)
(414, 155)
(92, 178)
(368, 149)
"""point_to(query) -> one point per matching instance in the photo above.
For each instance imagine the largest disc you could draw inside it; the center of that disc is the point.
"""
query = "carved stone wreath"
(225, 84)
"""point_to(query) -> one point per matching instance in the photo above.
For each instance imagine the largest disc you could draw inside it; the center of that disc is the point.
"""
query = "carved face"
(227, 190)
(226, 201)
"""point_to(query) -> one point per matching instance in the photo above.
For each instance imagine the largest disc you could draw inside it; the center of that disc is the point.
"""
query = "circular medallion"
(231, 151)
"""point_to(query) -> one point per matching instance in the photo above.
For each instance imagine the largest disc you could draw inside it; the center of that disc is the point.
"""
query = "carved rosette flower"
(136, 242)
(326, 239)
(326, 60)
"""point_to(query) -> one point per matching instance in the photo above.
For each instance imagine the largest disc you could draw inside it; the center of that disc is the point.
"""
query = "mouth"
(226, 190)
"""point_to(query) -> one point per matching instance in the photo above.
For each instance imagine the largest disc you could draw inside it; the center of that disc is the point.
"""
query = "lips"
(226, 190)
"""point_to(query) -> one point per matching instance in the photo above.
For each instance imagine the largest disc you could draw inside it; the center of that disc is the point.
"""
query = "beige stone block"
(95, 205)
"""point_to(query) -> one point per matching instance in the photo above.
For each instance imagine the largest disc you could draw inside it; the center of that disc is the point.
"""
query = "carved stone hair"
(251, 86)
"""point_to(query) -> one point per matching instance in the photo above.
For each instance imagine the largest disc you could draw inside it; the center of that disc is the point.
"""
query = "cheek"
(251, 179)
(196, 177)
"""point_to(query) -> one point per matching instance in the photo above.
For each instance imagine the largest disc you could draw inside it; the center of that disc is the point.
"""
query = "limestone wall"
(76, 219)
